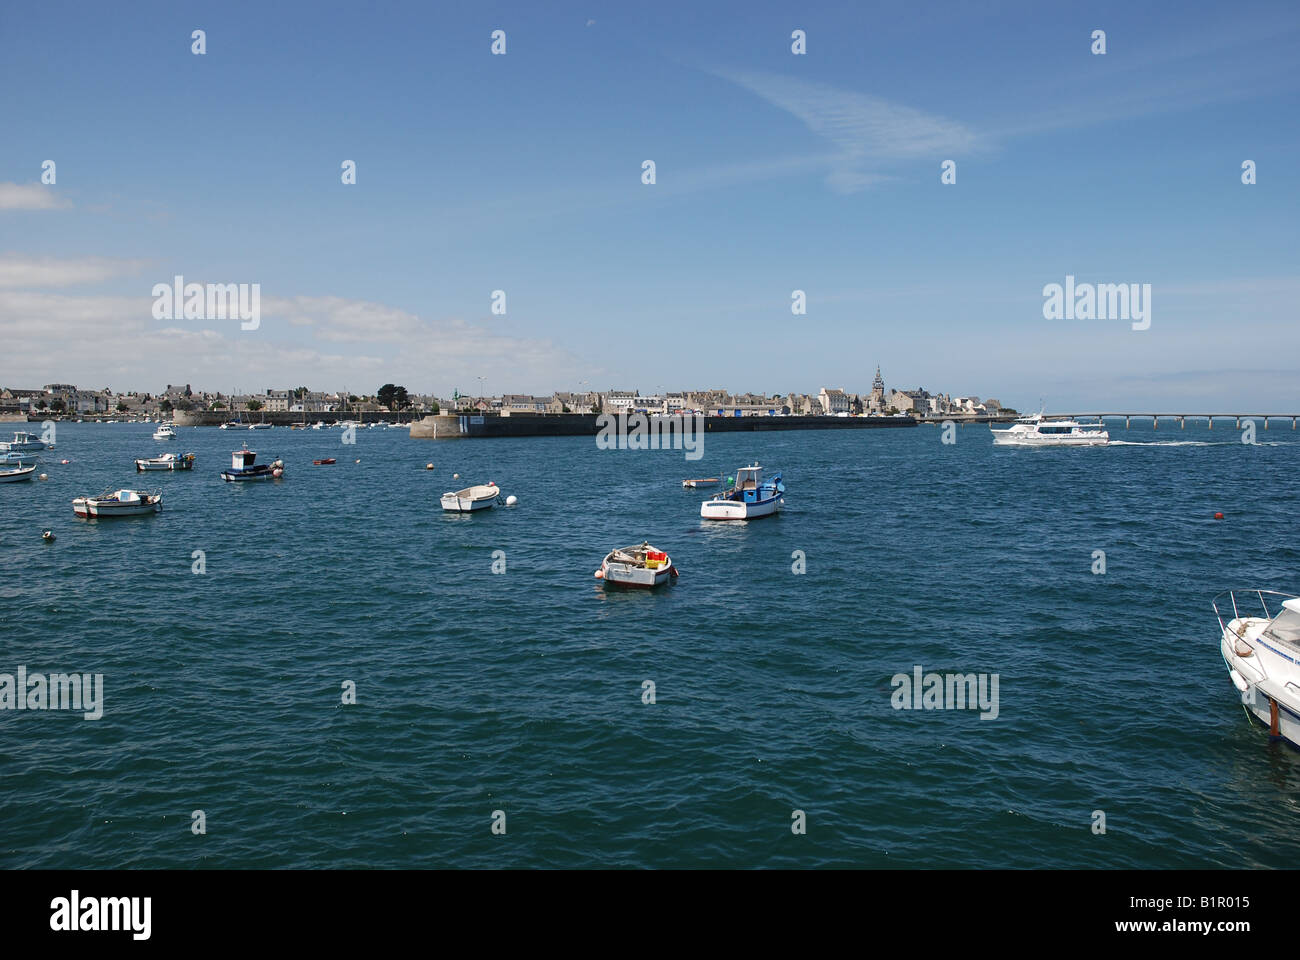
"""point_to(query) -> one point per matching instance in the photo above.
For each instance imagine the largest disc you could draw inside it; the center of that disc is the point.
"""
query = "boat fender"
(1238, 681)
(600, 574)
(1243, 649)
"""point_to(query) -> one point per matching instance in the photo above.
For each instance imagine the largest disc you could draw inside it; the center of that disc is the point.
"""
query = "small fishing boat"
(701, 482)
(244, 466)
(168, 461)
(165, 431)
(22, 442)
(478, 497)
(18, 459)
(122, 503)
(751, 497)
(324, 462)
(640, 566)
(18, 473)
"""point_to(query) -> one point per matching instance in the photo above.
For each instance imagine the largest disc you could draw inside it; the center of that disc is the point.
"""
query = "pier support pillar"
(1155, 423)
(1126, 423)
(1182, 423)
(1210, 421)
(1266, 423)
(1239, 423)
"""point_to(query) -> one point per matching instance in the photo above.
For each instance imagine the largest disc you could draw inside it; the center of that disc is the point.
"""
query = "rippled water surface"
(522, 691)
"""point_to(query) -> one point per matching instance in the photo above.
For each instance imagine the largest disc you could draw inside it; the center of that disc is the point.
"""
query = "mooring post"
(1182, 423)
(1266, 423)
(1126, 421)
(1155, 423)
(1238, 423)
(1210, 421)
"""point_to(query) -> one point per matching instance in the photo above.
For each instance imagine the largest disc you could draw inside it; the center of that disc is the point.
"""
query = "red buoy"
(1218, 516)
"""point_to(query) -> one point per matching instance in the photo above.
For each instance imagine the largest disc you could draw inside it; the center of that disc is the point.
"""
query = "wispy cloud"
(867, 131)
(30, 196)
(18, 271)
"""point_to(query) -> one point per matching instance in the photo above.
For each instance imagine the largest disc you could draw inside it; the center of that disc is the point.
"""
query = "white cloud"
(865, 129)
(321, 341)
(28, 272)
(30, 196)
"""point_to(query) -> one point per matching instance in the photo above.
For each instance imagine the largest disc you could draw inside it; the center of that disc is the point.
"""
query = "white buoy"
(455, 476)
(44, 476)
(511, 500)
(428, 466)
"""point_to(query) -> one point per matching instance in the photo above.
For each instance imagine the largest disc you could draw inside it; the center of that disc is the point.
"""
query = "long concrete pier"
(1182, 418)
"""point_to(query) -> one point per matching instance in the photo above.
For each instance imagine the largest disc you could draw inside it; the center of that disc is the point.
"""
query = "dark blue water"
(522, 691)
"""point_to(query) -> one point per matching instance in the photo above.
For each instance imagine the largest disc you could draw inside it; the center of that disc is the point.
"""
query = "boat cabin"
(242, 460)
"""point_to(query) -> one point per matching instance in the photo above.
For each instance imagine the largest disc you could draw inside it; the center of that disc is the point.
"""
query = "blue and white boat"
(244, 466)
(18, 459)
(751, 497)
(22, 442)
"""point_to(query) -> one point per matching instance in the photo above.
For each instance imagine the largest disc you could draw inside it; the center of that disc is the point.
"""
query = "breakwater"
(214, 418)
(447, 427)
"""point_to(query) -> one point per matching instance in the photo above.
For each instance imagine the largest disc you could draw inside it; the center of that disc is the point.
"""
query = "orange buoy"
(600, 574)
(1218, 516)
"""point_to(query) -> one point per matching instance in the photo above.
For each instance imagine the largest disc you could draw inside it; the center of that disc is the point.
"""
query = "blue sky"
(775, 172)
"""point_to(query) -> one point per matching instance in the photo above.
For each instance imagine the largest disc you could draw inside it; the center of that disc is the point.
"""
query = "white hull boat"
(168, 461)
(641, 567)
(1260, 644)
(701, 482)
(13, 476)
(18, 459)
(23, 443)
(165, 432)
(478, 497)
(751, 497)
(123, 503)
(1038, 431)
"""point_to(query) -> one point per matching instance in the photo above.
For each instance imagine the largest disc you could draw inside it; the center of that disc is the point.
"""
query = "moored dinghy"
(641, 566)
(19, 473)
(168, 461)
(122, 503)
(701, 482)
(752, 496)
(478, 497)
(244, 466)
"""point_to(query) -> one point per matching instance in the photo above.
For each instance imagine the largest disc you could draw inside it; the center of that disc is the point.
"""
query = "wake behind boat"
(478, 497)
(751, 497)
(1039, 431)
(641, 566)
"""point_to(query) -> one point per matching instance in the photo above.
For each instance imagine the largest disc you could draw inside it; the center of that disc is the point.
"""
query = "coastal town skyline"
(492, 213)
(62, 398)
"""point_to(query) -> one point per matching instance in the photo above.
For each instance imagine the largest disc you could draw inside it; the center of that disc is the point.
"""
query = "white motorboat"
(1260, 644)
(168, 461)
(1039, 431)
(165, 431)
(751, 497)
(244, 466)
(18, 473)
(701, 482)
(478, 497)
(122, 503)
(22, 442)
(260, 426)
(640, 566)
(18, 459)
(233, 425)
